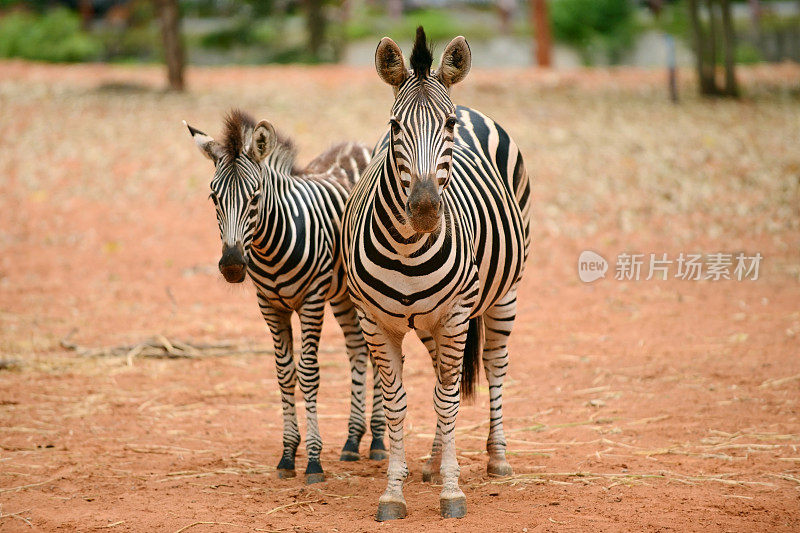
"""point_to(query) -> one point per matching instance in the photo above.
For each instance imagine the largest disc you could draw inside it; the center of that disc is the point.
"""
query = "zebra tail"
(473, 353)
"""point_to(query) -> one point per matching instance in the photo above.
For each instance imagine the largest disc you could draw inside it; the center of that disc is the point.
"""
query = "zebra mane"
(238, 128)
(421, 55)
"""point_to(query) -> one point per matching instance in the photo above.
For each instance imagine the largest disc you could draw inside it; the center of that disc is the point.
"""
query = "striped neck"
(273, 219)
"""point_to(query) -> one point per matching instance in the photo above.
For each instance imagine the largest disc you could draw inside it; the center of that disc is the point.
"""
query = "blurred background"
(561, 34)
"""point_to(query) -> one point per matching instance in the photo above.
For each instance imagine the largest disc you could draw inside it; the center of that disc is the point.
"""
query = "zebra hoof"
(434, 478)
(378, 455)
(349, 456)
(499, 468)
(315, 478)
(350, 451)
(453, 507)
(390, 511)
(314, 473)
(286, 474)
(377, 450)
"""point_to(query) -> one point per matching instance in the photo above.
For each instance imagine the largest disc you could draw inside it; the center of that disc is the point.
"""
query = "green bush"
(747, 54)
(674, 20)
(440, 26)
(240, 34)
(55, 36)
(591, 26)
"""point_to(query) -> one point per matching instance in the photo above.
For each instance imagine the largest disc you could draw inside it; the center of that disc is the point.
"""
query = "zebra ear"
(390, 63)
(456, 62)
(208, 146)
(264, 140)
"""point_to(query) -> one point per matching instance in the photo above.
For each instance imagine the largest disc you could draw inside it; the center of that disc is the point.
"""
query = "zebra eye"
(451, 122)
(395, 126)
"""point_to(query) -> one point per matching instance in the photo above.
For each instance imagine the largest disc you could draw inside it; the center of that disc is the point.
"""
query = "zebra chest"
(414, 295)
(288, 280)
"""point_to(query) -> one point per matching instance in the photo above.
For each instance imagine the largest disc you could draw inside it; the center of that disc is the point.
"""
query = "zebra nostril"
(424, 209)
(232, 264)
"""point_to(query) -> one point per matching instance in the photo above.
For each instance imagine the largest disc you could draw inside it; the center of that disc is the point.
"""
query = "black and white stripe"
(283, 227)
(454, 281)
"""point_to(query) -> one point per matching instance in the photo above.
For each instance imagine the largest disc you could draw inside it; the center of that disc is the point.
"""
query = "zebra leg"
(498, 322)
(346, 316)
(280, 325)
(377, 422)
(451, 339)
(311, 315)
(386, 349)
(430, 472)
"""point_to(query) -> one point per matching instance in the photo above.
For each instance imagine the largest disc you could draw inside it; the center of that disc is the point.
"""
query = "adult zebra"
(282, 227)
(436, 234)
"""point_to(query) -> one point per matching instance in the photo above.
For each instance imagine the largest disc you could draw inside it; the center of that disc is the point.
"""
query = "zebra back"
(343, 163)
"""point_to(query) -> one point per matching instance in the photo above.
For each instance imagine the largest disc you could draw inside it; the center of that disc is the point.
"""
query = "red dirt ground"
(630, 406)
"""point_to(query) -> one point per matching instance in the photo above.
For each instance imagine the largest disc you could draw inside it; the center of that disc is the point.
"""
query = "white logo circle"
(591, 266)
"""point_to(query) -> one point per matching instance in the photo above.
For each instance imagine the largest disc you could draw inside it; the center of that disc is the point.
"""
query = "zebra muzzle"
(232, 265)
(424, 206)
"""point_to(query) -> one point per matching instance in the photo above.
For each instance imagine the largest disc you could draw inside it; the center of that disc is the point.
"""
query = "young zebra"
(435, 238)
(281, 226)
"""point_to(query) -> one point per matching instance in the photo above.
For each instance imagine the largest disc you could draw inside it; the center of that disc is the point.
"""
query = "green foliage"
(37, 5)
(747, 54)
(140, 40)
(773, 23)
(607, 26)
(674, 19)
(55, 36)
(240, 34)
(137, 43)
(440, 25)
(263, 40)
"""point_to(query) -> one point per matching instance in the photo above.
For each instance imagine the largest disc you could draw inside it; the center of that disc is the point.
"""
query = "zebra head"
(236, 188)
(423, 123)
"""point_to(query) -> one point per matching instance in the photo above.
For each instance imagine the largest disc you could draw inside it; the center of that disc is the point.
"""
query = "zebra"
(435, 238)
(281, 226)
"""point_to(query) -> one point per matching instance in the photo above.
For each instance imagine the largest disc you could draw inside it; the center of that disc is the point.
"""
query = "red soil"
(630, 406)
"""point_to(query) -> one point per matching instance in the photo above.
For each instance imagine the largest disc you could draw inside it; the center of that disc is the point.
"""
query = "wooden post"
(541, 25)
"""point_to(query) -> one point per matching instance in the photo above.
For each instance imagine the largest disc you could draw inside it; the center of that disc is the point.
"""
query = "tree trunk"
(541, 25)
(87, 13)
(729, 49)
(699, 45)
(711, 40)
(704, 51)
(173, 45)
(315, 26)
